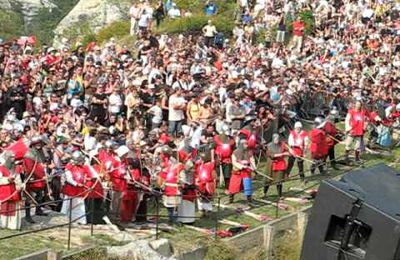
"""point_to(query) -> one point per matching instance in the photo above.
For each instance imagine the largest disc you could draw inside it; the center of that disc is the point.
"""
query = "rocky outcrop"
(94, 13)
(28, 9)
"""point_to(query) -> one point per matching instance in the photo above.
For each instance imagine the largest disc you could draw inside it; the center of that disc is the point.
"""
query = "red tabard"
(118, 176)
(186, 153)
(357, 122)
(7, 190)
(95, 184)
(204, 176)
(78, 173)
(330, 131)
(299, 142)
(223, 150)
(279, 163)
(170, 176)
(19, 148)
(251, 138)
(38, 174)
(235, 183)
(318, 146)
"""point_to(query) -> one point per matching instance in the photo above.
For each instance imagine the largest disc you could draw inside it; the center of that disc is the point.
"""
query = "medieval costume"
(332, 136)
(10, 199)
(74, 188)
(95, 196)
(243, 164)
(297, 142)
(206, 183)
(224, 149)
(355, 125)
(276, 151)
(118, 177)
(187, 207)
(318, 146)
(168, 181)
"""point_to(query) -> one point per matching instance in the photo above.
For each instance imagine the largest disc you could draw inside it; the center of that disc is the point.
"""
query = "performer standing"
(243, 164)
(355, 126)
(10, 198)
(277, 151)
(132, 195)
(168, 181)
(332, 135)
(118, 178)
(298, 140)
(318, 146)
(224, 145)
(74, 188)
(96, 194)
(187, 207)
(206, 183)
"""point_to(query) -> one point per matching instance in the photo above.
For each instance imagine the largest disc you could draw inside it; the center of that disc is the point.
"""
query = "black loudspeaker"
(356, 218)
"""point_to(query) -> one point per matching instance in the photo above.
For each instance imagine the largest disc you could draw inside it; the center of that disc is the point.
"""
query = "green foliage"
(218, 250)
(11, 24)
(81, 33)
(223, 20)
(45, 21)
(195, 24)
(307, 17)
(115, 29)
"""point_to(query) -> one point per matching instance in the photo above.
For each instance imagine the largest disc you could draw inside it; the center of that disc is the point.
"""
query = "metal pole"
(217, 217)
(158, 215)
(91, 216)
(70, 224)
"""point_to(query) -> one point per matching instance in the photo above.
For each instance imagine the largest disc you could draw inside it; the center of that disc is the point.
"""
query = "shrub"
(195, 24)
(12, 24)
(116, 29)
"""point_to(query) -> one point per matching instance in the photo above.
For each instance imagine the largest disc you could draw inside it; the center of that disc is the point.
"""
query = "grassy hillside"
(43, 24)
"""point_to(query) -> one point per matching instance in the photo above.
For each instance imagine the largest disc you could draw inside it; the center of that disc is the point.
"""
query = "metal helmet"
(77, 157)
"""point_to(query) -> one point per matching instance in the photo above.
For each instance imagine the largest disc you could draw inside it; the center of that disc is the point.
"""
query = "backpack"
(219, 39)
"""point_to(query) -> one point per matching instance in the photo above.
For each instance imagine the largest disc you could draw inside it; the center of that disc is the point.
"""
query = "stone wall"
(270, 235)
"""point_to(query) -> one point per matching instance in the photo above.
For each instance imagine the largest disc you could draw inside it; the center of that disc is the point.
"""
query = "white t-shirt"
(115, 103)
(175, 114)
(144, 20)
(157, 114)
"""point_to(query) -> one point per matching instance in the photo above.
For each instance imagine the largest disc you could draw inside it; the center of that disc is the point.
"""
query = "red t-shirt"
(298, 27)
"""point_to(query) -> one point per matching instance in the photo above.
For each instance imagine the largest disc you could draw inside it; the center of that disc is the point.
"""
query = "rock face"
(94, 13)
(139, 249)
(27, 8)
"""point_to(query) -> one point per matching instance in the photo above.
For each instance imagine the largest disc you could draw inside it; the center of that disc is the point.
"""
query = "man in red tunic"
(94, 198)
(298, 141)
(74, 188)
(332, 135)
(10, 199)
(243, 165)
(318, 146)
(277, 151)
(298, 31)
(206, 184)
(355, 126)
(118, 175)
(168, 180)
(132, 195)
(250, 134)
(224, 146)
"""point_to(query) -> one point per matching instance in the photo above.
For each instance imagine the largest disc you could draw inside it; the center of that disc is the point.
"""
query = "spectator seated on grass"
(174, 12)
(210, 8)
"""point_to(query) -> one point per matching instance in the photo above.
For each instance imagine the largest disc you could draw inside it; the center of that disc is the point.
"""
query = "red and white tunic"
(297, 141)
